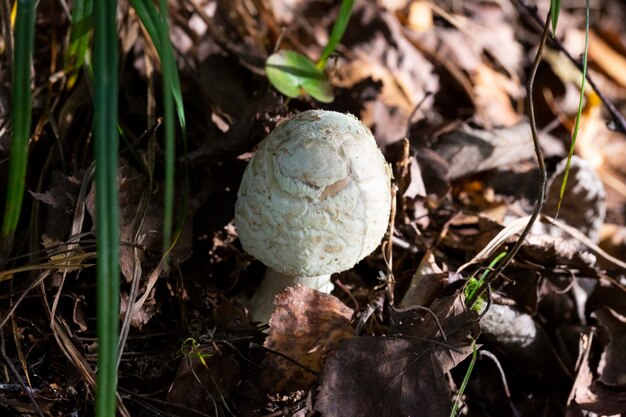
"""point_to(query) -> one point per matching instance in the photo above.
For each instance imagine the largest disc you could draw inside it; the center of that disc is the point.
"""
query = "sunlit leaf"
(294, 75)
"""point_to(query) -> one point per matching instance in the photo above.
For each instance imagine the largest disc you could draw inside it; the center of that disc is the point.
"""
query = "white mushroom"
(314, 200)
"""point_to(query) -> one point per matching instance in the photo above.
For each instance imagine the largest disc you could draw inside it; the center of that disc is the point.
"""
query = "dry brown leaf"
(612, 368)
(376, 376)
(493, 93)
(469, 150)
(590, 394)
(398, 376)
(612, 240)
(434, 172)
(553, 252)
(426, 283)
(306, 326)
(379, 51)
(61, 198)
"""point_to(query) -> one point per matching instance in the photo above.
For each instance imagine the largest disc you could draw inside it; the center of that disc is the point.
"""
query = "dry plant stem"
(20, 351)
(261, 306)
(65, 341)
(615, 113)
(542, 169)
(388, 247)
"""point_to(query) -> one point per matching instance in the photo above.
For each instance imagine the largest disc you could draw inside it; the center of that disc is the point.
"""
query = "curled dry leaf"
(306, 326)
(459, 325)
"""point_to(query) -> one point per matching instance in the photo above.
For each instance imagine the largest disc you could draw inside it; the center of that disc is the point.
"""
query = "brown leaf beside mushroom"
(306, 326)
(400, 375)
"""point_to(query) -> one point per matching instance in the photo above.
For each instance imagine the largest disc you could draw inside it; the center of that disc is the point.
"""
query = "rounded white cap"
(315, 198)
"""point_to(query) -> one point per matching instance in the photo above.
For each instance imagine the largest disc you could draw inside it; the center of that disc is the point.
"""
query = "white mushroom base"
(261, 305)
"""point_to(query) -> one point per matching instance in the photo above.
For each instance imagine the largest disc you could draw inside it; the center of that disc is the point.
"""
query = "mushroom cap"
(315, 198)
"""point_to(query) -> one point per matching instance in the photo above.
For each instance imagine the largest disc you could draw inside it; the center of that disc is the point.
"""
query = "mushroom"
(314, 200)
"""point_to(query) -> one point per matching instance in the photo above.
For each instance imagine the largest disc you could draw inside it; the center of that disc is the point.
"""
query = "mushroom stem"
(261, 306)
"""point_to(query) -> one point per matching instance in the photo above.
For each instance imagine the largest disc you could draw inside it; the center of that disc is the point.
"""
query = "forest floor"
(442, 86)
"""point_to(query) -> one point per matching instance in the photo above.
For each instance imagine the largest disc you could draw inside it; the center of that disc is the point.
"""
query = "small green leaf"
(294, 75)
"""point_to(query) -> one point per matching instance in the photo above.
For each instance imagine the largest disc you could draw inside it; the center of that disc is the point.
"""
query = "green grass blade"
(150, 18)
(156, 24)
(168, 65)
(578, 115)
(555, 8)
(106, 148)
(20, 115)
(476, 288)
(470, 368)
(339, 28)
(80, 34)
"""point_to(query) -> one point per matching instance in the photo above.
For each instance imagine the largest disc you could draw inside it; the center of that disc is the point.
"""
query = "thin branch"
(282, 355)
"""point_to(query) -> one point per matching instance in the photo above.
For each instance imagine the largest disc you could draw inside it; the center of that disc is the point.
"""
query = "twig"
(388, 247)
(282, 355)
(542, 167)
(409, 122)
